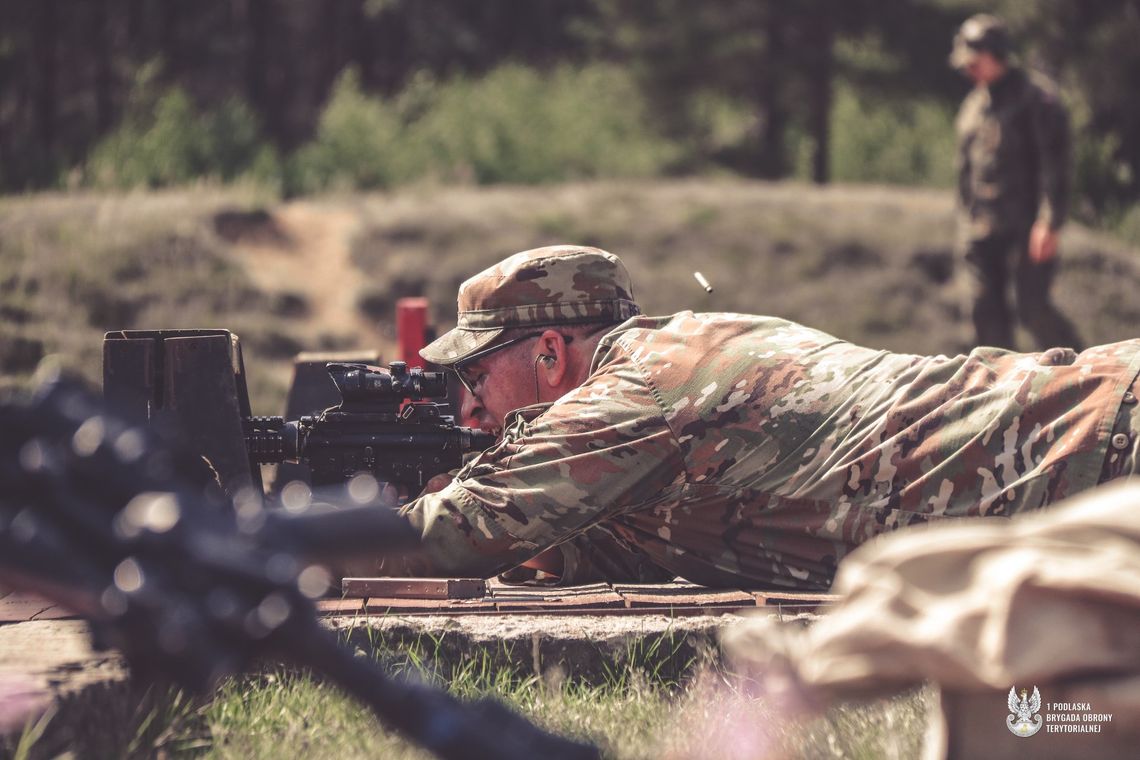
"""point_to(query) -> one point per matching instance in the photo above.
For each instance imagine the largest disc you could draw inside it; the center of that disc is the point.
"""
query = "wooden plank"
(585, 598)
(20, 607)
(510, 600)
(682, 595)
(678, 588)
(392, 606)
(340, 606)
(708, 598)
(794, 598)
(487, 609)
(426, 596)
(55, 612)
(415, 588)
(495, 586)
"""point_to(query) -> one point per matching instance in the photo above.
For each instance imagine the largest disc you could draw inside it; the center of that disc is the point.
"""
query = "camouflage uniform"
(1013, 170)
(744, 450)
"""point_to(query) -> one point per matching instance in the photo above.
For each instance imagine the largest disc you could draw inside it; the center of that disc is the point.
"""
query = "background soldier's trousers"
(991, 263)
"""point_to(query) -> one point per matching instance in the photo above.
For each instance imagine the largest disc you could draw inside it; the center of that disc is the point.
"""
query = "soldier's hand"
(549, 561)
(1042, 243)
(438, 482)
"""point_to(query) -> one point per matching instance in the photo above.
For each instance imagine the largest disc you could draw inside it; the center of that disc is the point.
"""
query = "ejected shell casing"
(703, 282)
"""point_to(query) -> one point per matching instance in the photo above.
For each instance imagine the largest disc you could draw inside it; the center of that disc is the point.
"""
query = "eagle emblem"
(1023, 719)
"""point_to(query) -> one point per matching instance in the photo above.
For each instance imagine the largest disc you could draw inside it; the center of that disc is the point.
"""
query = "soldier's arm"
(1053, 145)
(600, 450)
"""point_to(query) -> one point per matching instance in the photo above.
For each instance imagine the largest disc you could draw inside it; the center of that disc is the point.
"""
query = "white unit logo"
(1024, 719)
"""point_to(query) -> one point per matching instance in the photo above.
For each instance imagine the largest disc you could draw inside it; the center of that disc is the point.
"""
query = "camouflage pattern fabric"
(555, 285)
(1123, 458)
(746, 450)
(1013, 156)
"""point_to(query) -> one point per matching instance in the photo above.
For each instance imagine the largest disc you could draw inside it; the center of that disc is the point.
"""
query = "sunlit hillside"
(870, 264)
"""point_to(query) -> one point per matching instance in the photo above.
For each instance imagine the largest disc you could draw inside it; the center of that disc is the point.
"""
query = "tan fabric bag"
(1047, 601)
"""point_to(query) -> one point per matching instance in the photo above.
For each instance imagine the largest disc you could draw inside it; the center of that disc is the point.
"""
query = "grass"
(640, 707)
(628, 718)
(631, 714)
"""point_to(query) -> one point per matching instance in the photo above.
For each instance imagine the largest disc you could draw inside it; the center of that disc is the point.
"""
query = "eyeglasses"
(472, 381)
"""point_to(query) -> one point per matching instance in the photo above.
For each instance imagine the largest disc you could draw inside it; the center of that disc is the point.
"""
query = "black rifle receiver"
(385, 425)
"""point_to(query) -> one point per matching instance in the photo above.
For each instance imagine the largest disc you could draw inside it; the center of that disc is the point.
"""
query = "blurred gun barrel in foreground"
(191, 585)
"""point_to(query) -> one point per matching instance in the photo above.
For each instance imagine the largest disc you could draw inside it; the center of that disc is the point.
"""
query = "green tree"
(1090, 45)
(781, 61)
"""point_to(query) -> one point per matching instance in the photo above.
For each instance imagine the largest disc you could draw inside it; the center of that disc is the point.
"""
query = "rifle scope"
(362, 385)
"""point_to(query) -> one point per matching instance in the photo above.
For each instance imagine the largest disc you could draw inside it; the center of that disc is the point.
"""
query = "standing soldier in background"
(1013, 187)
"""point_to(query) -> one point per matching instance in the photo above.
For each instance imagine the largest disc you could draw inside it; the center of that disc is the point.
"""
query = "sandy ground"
(309, 255)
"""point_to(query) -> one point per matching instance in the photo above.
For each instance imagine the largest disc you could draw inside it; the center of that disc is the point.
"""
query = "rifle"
(190, 584)
(385, 425)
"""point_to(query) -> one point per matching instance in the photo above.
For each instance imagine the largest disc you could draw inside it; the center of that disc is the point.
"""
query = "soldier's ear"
(552, 354)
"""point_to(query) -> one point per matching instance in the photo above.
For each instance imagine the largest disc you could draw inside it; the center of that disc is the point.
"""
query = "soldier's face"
(503, 382)
(984, 69)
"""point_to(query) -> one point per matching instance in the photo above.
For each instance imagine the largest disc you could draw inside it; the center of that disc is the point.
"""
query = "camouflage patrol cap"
(980, 33)
(555, 285)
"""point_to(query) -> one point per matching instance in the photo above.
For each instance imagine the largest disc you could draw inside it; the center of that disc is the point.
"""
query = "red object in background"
(412, 329)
